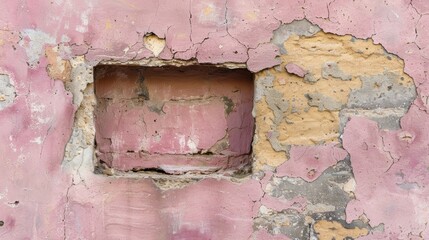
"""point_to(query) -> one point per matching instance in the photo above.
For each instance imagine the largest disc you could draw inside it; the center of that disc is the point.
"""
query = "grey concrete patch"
(300, 28)
(324, 190)
(277, 104)
(323, 102)
(310, 78)
(386, 118)
(274, 222)
(262, 84)
(275, 143)
(325, 201)
(382, 91)
(332, 69)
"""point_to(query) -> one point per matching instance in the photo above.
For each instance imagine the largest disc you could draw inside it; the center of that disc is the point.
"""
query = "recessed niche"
(174, 120)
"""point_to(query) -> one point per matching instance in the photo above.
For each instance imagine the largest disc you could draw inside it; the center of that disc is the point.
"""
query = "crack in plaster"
(227, 30)
(66, 205)
(394, 160)
(44, 138)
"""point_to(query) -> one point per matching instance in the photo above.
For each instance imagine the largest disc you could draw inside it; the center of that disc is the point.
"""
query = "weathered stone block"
(189, 119)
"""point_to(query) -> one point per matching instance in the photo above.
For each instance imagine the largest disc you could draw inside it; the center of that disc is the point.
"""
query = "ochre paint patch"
(58, 69)
(327, 230)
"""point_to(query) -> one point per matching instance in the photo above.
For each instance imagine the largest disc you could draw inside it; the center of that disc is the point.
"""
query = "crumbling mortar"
(152, 61)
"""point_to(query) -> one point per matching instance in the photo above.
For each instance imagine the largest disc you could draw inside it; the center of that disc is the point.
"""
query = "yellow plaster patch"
(8, 37)
(252, 16)
(327, 230)
(154, 44)
(303, 124)
(207, 10)
(108, 25)
(262, 147)
(309, 127)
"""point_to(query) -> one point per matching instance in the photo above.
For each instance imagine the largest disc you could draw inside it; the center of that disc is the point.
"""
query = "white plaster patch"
(182, 142)
(33, 42)
(84, 18)
(65, 38)
(81, 29)
(7, 91)
(264, 210)
(157, 138)
(192, 145)
(117, 141)
(320, 207)
(37, 108)
(43, 120)
(37, 140)
(21, 158)
(3, 194)
(350, 186)
(12, 144)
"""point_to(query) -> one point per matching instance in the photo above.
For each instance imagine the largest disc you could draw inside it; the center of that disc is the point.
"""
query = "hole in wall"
(174, 120)
(1, 223)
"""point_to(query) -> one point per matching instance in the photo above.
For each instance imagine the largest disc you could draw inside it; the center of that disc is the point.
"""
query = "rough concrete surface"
(340, 106)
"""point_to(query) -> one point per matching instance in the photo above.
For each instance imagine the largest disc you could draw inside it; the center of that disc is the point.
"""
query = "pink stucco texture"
(40, 199)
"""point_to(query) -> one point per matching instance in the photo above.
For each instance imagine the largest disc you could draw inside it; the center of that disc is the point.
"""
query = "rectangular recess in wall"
(174, 120)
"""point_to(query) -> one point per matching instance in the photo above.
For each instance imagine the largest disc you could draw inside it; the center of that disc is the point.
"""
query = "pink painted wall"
(42, 196)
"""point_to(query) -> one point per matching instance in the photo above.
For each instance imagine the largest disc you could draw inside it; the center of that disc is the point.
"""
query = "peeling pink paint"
(392, 191)
(263, 56)
(308, 162)
(298, 203)
(295, 69)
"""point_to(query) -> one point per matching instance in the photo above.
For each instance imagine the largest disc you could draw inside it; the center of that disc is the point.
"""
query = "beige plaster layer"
(327, 230)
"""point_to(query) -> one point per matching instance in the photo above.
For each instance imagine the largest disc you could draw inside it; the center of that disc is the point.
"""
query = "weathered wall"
(341, 145)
